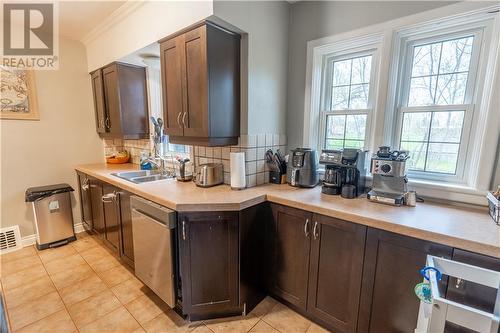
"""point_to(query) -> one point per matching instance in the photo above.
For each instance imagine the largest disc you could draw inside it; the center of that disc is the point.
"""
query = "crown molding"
(119, 14)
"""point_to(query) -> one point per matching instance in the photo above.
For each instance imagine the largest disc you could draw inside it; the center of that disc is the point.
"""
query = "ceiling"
(78, 18)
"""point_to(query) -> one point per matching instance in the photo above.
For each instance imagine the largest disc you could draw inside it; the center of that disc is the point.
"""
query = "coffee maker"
(345, 172)
(301, 168)
(389, 176)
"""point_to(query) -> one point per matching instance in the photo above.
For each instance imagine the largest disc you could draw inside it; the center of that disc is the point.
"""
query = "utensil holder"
(276, 177)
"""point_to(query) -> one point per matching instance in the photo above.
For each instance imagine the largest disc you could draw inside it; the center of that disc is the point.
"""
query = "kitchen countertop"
(465, 228)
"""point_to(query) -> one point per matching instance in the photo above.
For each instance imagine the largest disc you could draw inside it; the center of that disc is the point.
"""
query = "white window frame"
(335, 51)
(467, 106)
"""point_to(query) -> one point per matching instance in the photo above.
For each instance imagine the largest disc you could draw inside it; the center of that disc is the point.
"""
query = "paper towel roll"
(237, 166)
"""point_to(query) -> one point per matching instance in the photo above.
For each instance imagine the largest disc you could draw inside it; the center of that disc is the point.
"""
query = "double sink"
(142, 176)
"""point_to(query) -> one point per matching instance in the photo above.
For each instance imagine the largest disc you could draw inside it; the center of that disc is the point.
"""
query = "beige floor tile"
(24, 277)
(263, 327)
(67, 278)
(35, 310)
(130, 290)
(59, 322)
(104, 264)
(15, 255)
(95, 253)
(264, 307)
(85, 243)
(239, 324)
(84, 234)
(14, 266)
(169, 322)
(93, 308)
(202, 329)
(63, 264)
(317, 329)
(29, 291)
(56, 253)
(82, 289)
(285, 320)
(146, 307)
(119, 321)
(115, 275)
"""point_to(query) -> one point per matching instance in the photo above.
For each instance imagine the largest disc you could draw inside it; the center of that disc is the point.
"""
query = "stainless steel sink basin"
(142, 176)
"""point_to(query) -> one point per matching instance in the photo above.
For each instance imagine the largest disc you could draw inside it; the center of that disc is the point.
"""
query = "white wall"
(310, 20)
(137, 24)
(35, 153)
(265, 43)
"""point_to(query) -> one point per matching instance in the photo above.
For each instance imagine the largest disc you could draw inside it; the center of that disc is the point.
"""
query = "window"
(346, 100)
(436, 103)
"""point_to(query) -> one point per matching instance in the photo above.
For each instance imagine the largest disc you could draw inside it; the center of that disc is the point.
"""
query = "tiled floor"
(81, 287)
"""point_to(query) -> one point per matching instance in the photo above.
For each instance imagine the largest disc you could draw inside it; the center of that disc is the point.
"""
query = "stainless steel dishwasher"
(153, 230)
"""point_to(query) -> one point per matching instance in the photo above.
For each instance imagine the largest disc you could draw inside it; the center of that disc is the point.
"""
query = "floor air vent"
(10, 239)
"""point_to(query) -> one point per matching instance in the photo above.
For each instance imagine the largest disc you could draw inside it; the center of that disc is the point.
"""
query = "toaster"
(209, 174)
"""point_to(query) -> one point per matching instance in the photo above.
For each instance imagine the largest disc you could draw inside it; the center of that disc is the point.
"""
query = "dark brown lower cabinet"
(292, 244)
(209, 263)
(85, 200)
(127, 242)
(96, 192)
(390, 273)
(111, 217)
(335, 270)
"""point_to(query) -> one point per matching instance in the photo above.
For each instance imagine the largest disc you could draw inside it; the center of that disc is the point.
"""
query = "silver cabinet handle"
(315, 230)
(85, 187)
(184, 119)
(183, 230)
(460, 283)
(306, 228)
(108, 198)
(179, 119)
(107, 123)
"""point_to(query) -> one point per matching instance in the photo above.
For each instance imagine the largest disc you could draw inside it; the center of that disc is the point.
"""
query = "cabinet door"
(112, 100)
(172, 81)
(111, 217)
(85, 201)
(195, 90)
(292, 229)
(97, 207)
(390, 273)
(337, 252)
(99, 104)
(209, 262)
(127, 242)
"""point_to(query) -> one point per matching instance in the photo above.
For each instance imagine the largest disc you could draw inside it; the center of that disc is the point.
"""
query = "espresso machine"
(345, 172)
(389, 177)
(301, 168)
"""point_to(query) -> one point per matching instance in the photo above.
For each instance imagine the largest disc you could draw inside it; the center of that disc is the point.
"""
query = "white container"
(237, 166)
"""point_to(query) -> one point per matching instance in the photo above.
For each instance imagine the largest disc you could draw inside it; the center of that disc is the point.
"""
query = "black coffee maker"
(345, 172)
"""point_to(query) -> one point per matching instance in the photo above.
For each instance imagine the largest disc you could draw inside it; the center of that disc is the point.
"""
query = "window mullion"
(438, 71)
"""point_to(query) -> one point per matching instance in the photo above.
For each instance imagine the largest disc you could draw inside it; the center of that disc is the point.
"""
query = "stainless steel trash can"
(53, 215)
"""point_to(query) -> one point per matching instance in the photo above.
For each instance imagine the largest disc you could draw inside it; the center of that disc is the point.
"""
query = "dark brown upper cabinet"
(121, 101)
(200, 69)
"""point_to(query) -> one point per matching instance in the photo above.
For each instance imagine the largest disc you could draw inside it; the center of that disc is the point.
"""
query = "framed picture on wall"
(18, 94)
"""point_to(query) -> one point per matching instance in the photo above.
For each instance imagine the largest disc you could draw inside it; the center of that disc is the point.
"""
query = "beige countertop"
(466, 228)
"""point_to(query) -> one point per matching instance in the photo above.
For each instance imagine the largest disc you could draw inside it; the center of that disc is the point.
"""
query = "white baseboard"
(31, 239)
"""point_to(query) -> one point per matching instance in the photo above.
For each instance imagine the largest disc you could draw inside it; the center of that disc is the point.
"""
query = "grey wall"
(310, 20)
(265, 43)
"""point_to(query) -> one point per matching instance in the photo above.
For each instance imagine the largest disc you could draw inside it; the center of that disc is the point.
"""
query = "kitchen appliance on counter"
(209, 174)
(389, 178)
(153, 237)
(184, 174)
(345, 172)
(302, 168)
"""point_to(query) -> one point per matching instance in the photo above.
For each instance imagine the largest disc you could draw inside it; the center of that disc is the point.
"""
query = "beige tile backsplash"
(254, 146)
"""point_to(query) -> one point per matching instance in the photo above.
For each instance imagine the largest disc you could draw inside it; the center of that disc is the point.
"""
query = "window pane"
(361, 68)
(355, 127)
(456, 55)
(426, 59)
(342, 72)
(417, 154)
(335, 127)
(442, 157)
(334, 144)
(416, 126)
(359, 96)
(451, 89)
(422, 90)
(340, 98)
(357, 144)
(447, 126)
